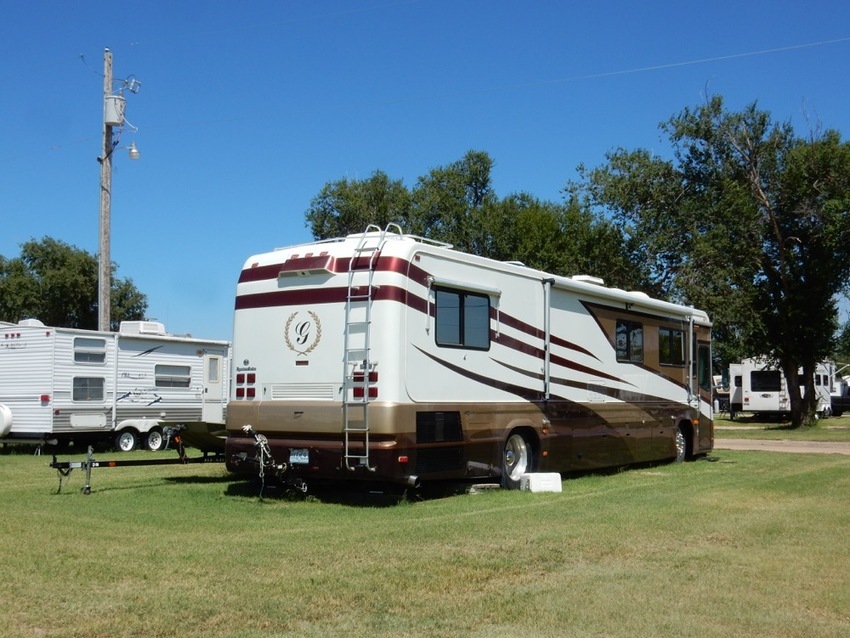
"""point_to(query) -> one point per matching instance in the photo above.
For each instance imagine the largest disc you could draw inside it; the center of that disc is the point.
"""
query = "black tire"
(126, 441)
(517, 459)
(154, 441)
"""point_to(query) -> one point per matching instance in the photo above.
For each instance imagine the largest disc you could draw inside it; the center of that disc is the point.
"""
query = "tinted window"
(765, 381)
(629, 341)
(462, 319)
(671, 347)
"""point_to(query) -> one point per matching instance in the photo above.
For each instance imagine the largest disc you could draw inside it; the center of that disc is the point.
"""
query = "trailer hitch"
(266, 462)
(64, 468)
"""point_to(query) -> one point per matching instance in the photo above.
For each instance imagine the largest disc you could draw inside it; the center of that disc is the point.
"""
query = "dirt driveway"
(808, 447)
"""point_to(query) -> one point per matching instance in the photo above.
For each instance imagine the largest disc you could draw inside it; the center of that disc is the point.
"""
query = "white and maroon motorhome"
(387, 357)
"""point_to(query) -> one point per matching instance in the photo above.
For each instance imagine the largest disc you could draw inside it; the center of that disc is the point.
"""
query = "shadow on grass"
(353, 494)
(766, 421)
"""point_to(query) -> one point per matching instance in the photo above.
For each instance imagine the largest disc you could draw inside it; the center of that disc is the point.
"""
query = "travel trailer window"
(462, 319)
(212, 370)
(89, 350)
(172, 376)
(765, 381)
(671, 347)
(629, 341)
(87, 389)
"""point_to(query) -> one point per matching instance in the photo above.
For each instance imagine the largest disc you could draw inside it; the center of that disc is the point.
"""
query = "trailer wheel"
(154, 441)
(516, 460)
(681, 446)
(126, 441)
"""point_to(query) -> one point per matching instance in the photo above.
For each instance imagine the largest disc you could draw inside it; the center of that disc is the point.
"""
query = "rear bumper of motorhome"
(389, 461)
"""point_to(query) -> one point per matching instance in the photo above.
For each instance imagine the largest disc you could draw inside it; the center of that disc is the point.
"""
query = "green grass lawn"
(831, 429)
(752, 544)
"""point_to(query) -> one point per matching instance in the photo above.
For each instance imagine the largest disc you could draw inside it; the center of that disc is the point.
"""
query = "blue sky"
(247, 109)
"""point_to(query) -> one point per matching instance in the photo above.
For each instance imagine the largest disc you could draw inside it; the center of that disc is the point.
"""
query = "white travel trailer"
(386, 357)
(63, 384)
(757, 387)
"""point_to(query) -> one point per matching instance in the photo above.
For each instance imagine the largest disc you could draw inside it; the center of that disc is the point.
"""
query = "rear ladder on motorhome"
(359, 374)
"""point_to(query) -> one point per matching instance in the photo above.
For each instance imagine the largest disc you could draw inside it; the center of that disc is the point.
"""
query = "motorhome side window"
(629, 341)
(168, 376)
(87, 389)
(462, 319)
(89, 350)
(704, 367)
(671, 347)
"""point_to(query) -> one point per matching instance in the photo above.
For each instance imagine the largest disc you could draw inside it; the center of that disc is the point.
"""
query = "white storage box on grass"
(540, 482)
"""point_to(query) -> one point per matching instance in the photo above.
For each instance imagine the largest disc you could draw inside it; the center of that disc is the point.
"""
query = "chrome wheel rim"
(125, 442)
(155, 441)
(516, 457)
(681, 446)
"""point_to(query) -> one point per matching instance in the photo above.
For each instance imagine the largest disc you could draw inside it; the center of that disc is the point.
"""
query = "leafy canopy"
(456, 204)
(748, 221)
(57, 283)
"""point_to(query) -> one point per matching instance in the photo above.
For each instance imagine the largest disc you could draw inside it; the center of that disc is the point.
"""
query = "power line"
(501, 88)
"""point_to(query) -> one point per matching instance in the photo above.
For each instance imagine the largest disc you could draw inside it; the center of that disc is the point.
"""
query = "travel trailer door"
(213, 406)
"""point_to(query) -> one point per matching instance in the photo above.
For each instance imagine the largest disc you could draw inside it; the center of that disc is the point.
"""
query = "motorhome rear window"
(87, 389)
(629, 341)
(89, 350)
(462, 319)
(671, 347)
(168, 376)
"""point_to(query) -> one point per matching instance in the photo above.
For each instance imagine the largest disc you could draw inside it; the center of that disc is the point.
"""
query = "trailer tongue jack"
(64, 468)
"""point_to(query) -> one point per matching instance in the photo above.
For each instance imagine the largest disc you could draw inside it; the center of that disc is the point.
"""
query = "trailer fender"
(5, 420)
(142, 426)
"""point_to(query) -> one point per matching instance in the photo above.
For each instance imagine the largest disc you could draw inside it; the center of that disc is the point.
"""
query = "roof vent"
(589, 279)
(31, 322)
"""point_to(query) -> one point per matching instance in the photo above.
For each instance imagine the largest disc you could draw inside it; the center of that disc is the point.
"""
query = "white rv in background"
(63, 384)
(757, 387)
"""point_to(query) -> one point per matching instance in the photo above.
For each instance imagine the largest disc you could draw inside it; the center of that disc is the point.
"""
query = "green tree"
(57, 283)
(563, 239)
(451, 203)
(348, 206)
(842, 349)
(748, 221)
(456, 204)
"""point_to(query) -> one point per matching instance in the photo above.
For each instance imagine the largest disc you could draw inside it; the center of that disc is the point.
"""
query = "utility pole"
(104, 271)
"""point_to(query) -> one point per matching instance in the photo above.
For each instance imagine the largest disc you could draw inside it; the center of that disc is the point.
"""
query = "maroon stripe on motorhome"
(528, 394)
(579, 385)
(283, 298)
(333, 264)
(515, 344)
(532, 331)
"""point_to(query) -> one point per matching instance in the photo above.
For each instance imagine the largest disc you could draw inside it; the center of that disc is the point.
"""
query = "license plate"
(300, 457)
